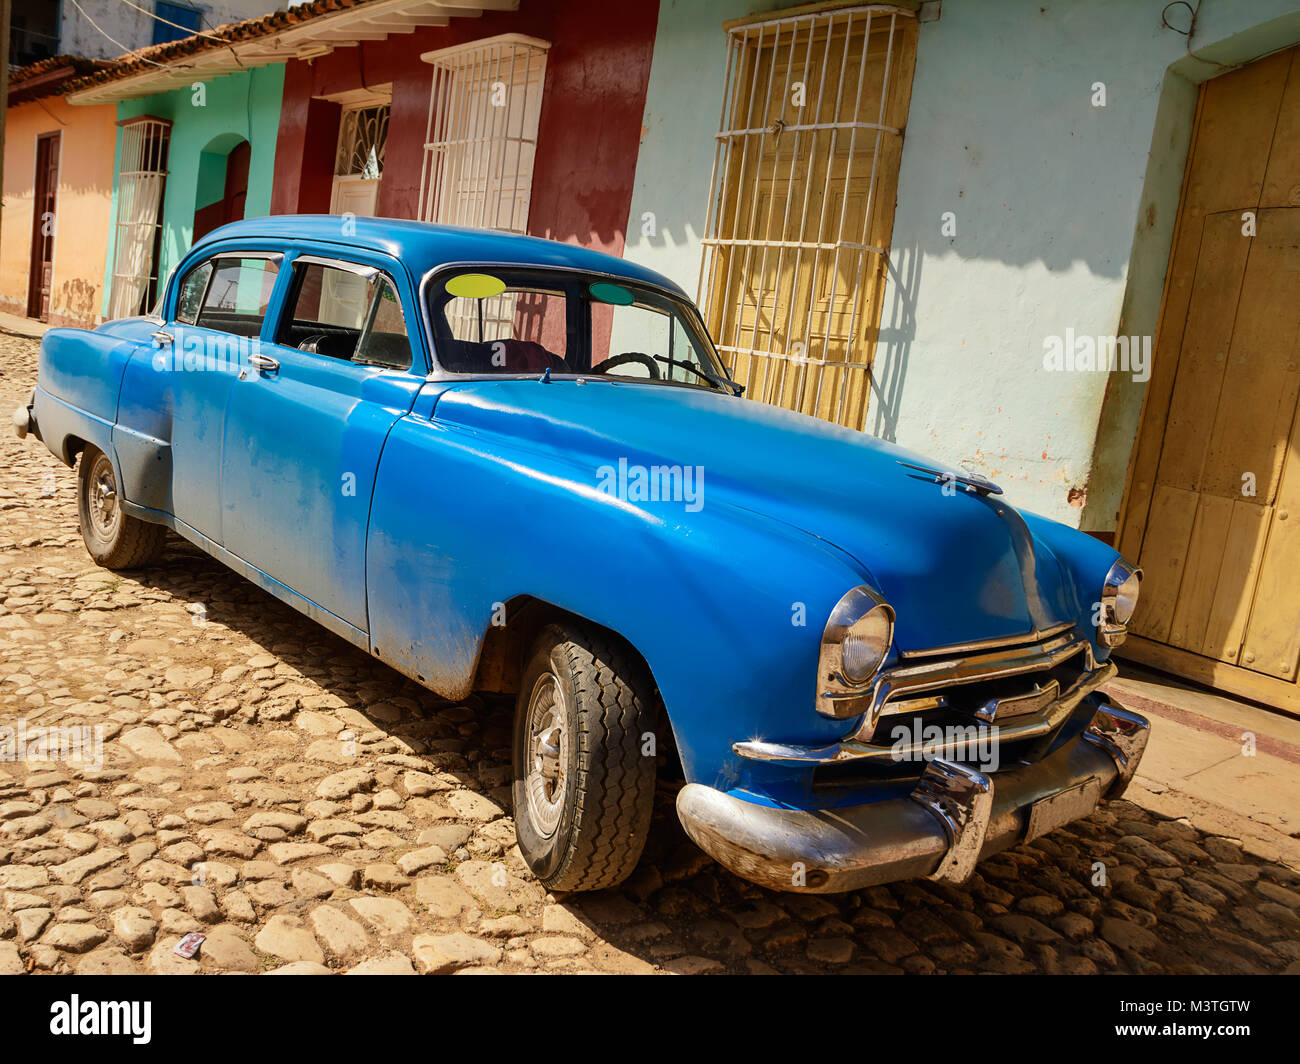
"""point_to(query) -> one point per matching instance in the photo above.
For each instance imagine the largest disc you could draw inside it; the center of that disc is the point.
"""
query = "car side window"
(385, 341)
(348, 314)
(190, 298)
(238, 293)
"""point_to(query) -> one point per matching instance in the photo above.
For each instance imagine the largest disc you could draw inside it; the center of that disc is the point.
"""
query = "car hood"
(956, 565)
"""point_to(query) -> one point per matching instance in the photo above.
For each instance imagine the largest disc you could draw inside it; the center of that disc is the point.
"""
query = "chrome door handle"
(162, 339)
(265, 363)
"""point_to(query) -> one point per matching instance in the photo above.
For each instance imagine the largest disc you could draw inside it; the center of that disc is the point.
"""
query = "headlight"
(865, 644)
(855, 643)
(1119, 596)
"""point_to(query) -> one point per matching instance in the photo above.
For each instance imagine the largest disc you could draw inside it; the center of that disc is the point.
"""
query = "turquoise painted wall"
(244, 106)
(1064, 217)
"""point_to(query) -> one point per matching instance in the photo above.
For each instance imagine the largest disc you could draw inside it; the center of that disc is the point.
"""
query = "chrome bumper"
(24, 421)
(952, 819)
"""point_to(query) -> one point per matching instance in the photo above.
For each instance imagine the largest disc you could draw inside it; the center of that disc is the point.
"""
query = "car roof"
(423, 246)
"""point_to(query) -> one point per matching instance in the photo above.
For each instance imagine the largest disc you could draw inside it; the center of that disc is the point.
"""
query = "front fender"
(727, 607)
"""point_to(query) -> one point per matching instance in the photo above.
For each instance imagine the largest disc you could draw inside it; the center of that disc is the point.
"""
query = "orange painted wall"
(82, 210)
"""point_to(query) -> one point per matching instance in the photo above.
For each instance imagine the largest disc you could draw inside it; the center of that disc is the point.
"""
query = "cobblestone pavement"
(310, 810)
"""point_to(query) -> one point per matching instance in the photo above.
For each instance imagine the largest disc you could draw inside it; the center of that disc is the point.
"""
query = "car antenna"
(545, 378)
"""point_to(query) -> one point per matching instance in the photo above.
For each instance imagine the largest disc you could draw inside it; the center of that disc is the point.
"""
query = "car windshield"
(499, 320)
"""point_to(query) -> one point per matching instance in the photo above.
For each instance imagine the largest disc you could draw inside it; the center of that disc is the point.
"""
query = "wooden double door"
(40, 274)
(1212, 512)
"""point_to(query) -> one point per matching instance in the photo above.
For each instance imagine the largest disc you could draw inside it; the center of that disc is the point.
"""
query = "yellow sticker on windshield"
(476, 285)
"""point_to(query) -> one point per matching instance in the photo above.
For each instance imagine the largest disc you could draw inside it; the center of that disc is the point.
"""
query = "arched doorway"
(222, 184)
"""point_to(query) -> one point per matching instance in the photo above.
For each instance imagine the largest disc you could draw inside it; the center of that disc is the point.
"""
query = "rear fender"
(79, 380)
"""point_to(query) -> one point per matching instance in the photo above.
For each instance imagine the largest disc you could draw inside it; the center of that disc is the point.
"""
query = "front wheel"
(115, 539)
(584, 770)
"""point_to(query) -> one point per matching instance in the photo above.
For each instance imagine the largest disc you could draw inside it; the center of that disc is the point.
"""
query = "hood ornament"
(970, 481)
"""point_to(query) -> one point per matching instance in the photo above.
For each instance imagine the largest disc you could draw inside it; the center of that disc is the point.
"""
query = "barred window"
(142, 177)
(802, 203)
(482, 132)
(363, 136)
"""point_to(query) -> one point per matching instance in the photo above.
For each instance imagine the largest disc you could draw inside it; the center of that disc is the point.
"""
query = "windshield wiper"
(728, 386)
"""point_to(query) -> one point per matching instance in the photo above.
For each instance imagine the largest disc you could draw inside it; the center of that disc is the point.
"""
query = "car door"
(306, 422)
(173, 400)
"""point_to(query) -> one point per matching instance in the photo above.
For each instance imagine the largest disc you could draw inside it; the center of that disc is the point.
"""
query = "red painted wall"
(588, 137)
(304, 146)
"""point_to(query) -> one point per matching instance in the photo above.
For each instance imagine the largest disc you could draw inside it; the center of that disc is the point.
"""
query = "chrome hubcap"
(103, 497)
(547, 755)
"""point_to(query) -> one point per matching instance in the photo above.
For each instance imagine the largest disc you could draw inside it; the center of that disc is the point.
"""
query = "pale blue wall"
(683, 106)
(1064, 216)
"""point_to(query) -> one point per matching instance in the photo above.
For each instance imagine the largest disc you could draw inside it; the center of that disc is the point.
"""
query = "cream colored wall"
(82, 209)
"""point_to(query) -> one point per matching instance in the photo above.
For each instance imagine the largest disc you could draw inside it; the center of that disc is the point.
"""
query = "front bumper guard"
(952, 819)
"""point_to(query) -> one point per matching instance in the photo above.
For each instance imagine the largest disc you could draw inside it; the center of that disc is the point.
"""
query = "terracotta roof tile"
(51, 76)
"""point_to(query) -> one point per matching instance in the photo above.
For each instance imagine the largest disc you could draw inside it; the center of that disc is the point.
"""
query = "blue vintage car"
(510, 465)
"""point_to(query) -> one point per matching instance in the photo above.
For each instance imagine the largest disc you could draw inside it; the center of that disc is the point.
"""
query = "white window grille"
(802, 203)
(359, 157)
(142, 178)
(363, 137)
(482, 132)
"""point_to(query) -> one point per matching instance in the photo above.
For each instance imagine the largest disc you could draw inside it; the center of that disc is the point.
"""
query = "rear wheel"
(584, 777)
(114, 539)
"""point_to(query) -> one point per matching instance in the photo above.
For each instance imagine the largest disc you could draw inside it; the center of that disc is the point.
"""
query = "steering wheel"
(630, 356)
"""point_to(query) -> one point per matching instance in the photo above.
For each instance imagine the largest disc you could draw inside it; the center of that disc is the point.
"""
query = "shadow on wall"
(894, 344)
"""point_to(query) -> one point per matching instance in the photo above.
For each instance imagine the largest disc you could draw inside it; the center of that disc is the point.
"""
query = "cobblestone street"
(310, 810)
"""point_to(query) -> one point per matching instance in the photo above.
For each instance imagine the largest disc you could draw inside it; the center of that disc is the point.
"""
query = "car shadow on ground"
(1123, 891)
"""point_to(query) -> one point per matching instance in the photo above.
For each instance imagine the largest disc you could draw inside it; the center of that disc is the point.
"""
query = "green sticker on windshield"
(611, 293)
(476, 285)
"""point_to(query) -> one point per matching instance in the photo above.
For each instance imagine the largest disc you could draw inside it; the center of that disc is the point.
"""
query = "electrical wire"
(1191, 29)
(189, 32)
(175, 25)
(99, 29)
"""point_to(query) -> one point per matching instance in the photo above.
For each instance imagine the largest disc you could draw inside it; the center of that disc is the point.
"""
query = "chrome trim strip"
(912, 705)
(1034, 635)
(995, 710)
(346, 265)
